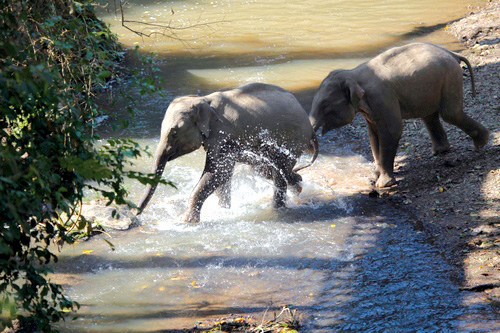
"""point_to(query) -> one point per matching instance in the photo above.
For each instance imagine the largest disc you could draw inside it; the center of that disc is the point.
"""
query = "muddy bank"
(456, 197)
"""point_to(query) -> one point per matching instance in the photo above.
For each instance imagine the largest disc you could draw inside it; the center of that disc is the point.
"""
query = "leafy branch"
(54, 56)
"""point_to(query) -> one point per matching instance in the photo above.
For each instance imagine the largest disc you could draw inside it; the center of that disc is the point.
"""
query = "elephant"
(418, 80)
(257, 124)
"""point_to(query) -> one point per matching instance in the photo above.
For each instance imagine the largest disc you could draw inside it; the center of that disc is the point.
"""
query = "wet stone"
(100, 214)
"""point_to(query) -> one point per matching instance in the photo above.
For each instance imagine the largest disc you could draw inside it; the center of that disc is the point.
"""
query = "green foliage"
(54, 54)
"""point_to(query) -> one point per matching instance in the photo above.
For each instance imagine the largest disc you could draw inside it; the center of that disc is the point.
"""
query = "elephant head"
(336, 102)
(184, 128)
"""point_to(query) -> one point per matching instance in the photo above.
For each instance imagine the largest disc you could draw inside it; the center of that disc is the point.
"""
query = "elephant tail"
(315, 154)
(464, 59)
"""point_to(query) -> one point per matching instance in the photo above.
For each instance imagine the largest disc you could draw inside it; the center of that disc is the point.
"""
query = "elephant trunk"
(160, 163)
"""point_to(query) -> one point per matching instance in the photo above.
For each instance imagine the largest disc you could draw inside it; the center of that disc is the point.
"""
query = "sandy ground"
(456, 196)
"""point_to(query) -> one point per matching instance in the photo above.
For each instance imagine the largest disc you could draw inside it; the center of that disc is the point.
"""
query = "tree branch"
(169, 30)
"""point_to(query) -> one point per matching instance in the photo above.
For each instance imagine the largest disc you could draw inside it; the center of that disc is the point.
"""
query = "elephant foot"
(192, 217)
(278, 205)
(385, 181)
(224, 195)
(225, 204)
(296, 189)
(224, 200)
(375, 175)
(294, 182)
(481, 140)
(279, 201)
(440, 149)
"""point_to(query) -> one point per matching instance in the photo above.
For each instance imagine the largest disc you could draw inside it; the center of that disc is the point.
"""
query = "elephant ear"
(355, 92)
(202, 116)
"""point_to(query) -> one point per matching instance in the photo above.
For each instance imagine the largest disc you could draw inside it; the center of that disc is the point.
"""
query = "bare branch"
(169, 30)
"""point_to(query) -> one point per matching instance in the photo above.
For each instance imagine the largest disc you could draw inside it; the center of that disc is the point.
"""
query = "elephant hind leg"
(374, 144)
(294, 181)
(272, 172)
(285, 165)
(280, 186)
(214, 176)
(452, 111)
(223, 192)
(436, 131)
(474, 129)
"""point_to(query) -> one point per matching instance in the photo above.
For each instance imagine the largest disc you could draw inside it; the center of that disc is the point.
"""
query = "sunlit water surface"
(225, 43)
(346, 262)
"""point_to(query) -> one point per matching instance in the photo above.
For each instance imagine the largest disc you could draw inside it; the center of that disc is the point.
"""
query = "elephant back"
(266, 113)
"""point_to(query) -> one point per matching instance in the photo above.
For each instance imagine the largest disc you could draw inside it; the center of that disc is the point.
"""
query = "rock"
(483, 229)
(98, 213)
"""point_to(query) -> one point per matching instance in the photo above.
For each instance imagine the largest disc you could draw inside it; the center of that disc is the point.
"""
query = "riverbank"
(456, 197)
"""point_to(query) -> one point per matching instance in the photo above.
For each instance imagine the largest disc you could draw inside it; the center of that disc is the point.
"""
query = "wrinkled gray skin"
(257, 124)
(414, 81)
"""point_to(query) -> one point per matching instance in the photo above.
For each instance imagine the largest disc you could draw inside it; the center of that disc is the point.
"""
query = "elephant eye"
(325, 104)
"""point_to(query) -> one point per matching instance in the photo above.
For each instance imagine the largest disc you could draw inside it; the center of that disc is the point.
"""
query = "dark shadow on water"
(425, 30)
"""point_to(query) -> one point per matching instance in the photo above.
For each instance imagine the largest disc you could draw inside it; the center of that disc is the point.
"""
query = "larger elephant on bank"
(418, 80)
(257, 124)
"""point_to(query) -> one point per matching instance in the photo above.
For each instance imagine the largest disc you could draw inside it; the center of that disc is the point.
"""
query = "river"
(347, 262)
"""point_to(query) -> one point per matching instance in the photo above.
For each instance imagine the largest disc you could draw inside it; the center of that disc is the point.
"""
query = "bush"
(53, 55)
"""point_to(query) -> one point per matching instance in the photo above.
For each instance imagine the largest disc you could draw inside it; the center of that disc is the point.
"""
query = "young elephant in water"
(257, 124)
(414, 81)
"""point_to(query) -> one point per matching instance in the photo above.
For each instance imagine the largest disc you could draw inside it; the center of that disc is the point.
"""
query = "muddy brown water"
(348, 263)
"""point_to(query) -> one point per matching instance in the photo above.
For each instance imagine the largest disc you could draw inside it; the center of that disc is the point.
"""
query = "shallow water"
(293, 44)
(265, 27)
(346, 262)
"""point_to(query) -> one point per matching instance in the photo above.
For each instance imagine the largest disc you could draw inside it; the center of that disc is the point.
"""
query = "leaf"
(104, 75)
(87, 252)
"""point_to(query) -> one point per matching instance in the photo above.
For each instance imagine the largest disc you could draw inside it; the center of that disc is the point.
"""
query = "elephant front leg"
(203, 189)
(388, 146)
(374, 144)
